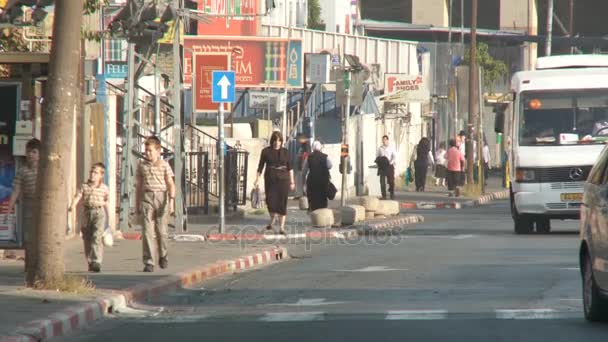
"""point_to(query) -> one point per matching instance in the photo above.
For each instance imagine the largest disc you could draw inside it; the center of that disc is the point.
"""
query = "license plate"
(571, 197)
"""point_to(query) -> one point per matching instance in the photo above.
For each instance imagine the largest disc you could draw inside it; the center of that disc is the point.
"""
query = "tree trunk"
(472, 95)
(61, 106)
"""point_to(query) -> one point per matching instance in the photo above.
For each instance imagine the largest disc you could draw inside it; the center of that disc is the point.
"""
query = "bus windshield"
(563, 117)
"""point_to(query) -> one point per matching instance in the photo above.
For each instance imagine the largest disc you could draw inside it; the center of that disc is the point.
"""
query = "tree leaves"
(493, 69)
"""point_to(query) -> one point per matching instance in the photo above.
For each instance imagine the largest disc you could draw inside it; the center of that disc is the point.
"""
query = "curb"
(342, 234)
(386, 224)
(77, 317)
(484, 199)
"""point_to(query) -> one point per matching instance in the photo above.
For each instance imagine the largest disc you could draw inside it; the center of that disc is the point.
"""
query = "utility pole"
(126, 186)
(549, 27)
(472, 91)
(177, 121)
(45, 250)
(344, 192)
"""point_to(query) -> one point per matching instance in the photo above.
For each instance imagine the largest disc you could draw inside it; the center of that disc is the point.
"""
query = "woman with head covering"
(278, 179)
(316, 173)
(424, 158)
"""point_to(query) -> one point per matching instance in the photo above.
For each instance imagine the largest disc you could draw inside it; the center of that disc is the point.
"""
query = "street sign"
(223, 86)
(405, 88)
(319, 68)
(260, 99)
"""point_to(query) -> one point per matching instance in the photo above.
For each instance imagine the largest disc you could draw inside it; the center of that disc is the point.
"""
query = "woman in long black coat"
(278, 179)
(424, 158)
(316, 173)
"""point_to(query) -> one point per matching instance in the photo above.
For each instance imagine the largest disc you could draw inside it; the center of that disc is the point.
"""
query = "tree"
(493, 69)
(314, 15)
(62, 102)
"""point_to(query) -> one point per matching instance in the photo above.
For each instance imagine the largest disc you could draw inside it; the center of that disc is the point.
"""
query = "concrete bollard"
(322, 218)
(388, 208)
(352, 214)
(369, 203)
(303, 202)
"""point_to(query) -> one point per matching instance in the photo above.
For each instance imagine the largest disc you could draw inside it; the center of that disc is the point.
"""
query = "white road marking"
(397, 315)
(374, 269)
(293, 316)
(129, 312)
(176, 319)
(526, 314)
(308, 302)
(570, 269)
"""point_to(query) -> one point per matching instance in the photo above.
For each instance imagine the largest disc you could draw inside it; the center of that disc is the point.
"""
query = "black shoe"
(94, 267)
(163, 263)
(148, 268)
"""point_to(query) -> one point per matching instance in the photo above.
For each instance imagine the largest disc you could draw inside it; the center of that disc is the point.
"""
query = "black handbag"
(331, 191)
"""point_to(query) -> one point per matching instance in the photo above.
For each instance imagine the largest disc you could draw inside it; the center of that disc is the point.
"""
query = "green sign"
(346, 80)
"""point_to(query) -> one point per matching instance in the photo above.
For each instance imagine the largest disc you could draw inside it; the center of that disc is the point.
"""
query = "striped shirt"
(94, 196)
(25, 179)
(153, 176)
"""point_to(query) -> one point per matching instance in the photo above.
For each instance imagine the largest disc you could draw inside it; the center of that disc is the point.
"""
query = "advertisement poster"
(7, 162)
(257, 61)
(242, 19)
(205, 64)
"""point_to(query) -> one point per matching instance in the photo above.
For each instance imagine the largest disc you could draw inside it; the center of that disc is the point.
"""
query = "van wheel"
(594, 305)
(523, 223)
(543, 225)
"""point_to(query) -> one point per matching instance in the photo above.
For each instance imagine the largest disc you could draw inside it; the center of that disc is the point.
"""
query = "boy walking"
(95, 194)
(24, 189)
(155, 199)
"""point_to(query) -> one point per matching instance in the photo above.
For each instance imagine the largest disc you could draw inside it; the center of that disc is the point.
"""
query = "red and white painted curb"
(390, 223)
(484, 199)
(79, 316)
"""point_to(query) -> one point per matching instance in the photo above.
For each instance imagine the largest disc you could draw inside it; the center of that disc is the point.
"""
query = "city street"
(461, 276)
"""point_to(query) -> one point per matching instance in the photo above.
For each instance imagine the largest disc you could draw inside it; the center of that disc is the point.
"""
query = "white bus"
(557, 125)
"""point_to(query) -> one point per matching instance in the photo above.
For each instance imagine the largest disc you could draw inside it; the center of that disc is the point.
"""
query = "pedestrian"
(441, 169)
(24, 190)
(486, 160)
(386, 159)
(461, 142)
(316, 174)
(455, 163)
(424, 158)
(278, 179)
(95, 195)
(155, 199)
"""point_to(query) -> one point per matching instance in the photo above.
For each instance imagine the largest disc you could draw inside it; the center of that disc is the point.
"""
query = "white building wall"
(287, 12)
(334, 14)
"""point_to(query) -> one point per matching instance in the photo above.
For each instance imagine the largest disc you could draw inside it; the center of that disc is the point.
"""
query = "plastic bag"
(108, 238)
(409, 176)
(256, 198)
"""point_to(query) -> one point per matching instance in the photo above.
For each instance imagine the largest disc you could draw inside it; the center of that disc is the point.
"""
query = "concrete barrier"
(322, 218)
(369, 203)
(352, 214)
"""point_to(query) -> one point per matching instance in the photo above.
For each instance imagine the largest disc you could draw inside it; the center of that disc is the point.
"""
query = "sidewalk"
(436, 197)
(121, 279)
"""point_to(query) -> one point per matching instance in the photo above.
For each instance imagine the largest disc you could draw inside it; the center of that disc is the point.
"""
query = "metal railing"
(196, 195)
(236, 177)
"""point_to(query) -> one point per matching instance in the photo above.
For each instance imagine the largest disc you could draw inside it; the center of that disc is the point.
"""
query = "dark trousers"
(388, 175)
(453, 179)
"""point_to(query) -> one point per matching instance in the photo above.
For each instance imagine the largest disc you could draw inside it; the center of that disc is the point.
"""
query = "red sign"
(233, 17)
(204, 65)
(257, 61)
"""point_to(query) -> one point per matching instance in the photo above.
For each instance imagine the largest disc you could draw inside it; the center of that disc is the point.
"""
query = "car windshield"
(564, 117)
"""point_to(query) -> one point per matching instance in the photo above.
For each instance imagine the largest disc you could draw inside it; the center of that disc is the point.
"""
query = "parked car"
(593, 254)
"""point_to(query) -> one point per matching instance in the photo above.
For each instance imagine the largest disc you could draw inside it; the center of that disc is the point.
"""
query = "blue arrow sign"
(223, 86)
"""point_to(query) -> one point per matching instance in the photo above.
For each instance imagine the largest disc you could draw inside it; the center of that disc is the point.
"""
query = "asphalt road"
(460, 276)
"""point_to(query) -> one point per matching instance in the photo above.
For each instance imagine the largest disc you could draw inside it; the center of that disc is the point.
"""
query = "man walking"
(386, 159)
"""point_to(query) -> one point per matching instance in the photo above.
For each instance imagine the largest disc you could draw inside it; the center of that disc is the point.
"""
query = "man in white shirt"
(386, 168)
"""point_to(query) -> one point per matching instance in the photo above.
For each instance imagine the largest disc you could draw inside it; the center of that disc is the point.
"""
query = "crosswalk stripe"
(416, 315)
(293, 316)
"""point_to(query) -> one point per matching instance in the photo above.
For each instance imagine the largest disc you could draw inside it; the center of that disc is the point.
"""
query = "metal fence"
(196, 178)
(236, 177)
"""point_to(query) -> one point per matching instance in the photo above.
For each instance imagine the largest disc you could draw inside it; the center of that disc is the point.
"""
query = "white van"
(557, 125)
